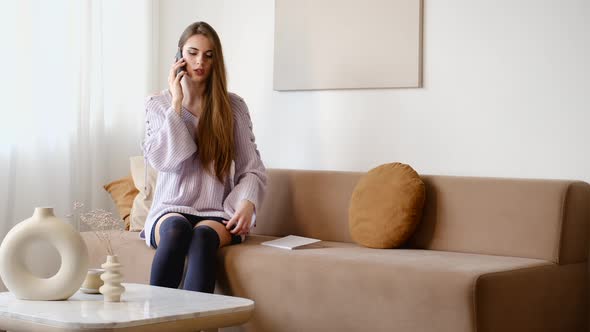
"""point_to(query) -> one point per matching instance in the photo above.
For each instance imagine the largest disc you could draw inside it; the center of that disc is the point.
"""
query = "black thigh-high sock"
(168, 263)
(202, 255)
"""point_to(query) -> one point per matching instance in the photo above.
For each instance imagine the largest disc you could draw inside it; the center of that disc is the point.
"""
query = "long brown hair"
(215, 131)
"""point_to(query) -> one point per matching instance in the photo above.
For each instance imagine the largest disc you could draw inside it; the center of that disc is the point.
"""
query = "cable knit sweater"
(169, 146)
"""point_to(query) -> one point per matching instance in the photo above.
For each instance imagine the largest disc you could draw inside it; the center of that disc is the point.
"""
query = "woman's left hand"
(242, 218)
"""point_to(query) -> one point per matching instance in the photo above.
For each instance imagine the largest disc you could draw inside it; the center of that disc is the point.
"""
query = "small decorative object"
(105, 226)
(43, 226)
(93, 281)
(112, 288)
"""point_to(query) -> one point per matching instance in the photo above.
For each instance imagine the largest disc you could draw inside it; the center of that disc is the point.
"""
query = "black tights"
(178, 240)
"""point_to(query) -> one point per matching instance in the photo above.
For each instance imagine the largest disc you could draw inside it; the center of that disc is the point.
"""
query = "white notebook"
(290, 242)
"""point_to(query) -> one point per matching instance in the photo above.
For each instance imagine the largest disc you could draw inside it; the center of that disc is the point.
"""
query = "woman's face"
(199, 56)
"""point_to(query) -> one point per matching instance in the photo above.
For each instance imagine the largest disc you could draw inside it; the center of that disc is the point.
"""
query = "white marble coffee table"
(142, 308)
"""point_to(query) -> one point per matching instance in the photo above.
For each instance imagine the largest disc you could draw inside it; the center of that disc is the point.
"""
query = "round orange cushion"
(386, 206)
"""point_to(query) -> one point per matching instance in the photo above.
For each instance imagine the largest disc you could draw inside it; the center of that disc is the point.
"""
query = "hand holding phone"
(174, 79)
(178, 57)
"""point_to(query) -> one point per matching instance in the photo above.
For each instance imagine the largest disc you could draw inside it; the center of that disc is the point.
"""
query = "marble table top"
(140, 305)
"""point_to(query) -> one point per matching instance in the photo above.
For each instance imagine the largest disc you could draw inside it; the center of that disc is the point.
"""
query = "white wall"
(506, 91)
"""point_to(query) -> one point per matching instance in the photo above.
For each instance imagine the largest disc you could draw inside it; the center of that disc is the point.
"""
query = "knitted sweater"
(183, 186)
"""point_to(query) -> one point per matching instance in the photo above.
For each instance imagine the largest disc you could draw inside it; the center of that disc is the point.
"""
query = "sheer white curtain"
(74, 76)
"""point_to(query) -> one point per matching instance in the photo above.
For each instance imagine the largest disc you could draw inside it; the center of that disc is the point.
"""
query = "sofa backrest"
(534, 218)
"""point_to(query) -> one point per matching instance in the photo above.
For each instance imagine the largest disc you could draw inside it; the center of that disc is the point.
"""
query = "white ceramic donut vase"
(43, 226)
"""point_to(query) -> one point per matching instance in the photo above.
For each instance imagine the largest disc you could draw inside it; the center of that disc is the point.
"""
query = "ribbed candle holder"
(112, 277)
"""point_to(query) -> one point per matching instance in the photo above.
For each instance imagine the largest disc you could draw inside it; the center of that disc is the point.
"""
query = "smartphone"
(178, 57)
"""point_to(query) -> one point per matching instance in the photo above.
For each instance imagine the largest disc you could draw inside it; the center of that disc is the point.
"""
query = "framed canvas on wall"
(346, 44)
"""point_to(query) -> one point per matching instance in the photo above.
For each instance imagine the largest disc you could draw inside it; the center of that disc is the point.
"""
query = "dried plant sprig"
(103, 224)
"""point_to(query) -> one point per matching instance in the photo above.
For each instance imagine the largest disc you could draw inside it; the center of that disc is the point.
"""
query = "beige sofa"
(489, 255)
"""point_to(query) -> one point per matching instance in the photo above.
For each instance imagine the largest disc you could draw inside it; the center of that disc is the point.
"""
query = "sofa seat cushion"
(395, 287)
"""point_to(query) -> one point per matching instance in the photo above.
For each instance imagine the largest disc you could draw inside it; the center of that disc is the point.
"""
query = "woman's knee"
(205, 237)
(223, 234)
(173, 226)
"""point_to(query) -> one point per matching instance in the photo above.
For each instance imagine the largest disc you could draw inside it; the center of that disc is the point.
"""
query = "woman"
(211, 179)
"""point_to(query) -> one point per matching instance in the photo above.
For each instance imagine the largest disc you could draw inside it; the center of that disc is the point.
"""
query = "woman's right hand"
(174, 84)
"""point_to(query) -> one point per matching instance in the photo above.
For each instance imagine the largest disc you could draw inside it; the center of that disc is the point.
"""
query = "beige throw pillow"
(143, 200)
(123, 193)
